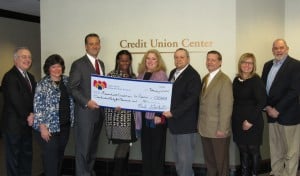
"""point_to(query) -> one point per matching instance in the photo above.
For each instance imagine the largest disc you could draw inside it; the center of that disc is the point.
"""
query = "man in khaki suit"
(214, 122)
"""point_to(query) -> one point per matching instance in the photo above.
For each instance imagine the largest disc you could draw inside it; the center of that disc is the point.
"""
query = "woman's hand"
(45, 134)
(247, 125)
(157, 120)
(118, 108)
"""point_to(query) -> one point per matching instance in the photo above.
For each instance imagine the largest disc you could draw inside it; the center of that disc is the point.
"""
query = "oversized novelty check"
(131, 93)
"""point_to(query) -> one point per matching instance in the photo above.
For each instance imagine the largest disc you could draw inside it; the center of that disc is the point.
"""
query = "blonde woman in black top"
(247, 120)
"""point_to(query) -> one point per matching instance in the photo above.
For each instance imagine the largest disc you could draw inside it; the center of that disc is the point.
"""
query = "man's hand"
(272, 112)
(30, 119)
(92, 104)
(220, 134)
(168, 114)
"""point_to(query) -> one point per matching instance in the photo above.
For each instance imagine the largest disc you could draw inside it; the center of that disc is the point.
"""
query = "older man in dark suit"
(183, 116)
(281, 76)
(18, 90)
(88, 115)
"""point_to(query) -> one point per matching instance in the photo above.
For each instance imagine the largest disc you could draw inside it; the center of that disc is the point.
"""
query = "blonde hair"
(242, 59)
(160, 63)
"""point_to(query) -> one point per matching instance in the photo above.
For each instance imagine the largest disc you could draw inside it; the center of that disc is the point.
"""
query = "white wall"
(232, 26)
(63, 30)
(64, 25)
(292, 27)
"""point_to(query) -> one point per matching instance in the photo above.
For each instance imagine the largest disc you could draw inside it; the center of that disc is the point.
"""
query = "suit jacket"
(185, 101)
(216, 107)
(18, 102)
(80, 87)
(284, 91)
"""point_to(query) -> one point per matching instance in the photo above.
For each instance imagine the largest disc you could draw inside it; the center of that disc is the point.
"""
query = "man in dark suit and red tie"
(88, 114)
(18, 90)
(281, 76)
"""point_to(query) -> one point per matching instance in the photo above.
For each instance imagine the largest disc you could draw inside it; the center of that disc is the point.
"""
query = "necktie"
(176, 74)
(97, 67)
(204, 86)
(27, 80)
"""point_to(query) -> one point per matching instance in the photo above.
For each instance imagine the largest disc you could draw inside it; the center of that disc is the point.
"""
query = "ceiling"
(29, 7)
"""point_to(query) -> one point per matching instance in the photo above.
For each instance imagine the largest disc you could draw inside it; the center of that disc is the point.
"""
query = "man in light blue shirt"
(281, 76)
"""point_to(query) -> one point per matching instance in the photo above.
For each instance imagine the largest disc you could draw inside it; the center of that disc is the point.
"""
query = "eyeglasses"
(24, 57)
(248, 63)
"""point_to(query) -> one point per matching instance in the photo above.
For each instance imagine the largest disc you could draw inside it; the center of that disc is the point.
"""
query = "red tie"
(97, 67)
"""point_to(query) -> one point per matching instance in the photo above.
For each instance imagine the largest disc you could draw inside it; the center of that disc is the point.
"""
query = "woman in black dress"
(247, 120)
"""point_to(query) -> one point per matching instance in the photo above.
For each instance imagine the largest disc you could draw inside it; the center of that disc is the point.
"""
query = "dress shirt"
(271, 76)
(212, 75)
(25, 75)
(178, 72)
(92, 60)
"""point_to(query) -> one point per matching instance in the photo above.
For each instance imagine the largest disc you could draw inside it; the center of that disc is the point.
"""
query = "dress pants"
(87, 130)
(18, 149)
(53, 151)
(216, 155)
(183, 148)
(153, 146)
(284, 149)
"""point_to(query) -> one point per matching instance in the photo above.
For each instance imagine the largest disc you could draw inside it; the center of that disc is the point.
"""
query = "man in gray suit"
(214, 123)
(88, 115)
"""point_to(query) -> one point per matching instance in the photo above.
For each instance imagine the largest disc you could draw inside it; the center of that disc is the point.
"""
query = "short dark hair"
(52, 60)
(215, 52)
(90, 35)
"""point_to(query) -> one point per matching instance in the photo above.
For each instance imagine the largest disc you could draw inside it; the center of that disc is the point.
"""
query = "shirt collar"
(181, 70)
(213, 74)
(21, 71)
(91, 58)
(280, 61)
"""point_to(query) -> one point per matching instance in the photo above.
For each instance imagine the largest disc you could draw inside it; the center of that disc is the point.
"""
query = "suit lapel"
(22, 79)
(182, 74)
(212, 83)
(280, 72)
(89, 64)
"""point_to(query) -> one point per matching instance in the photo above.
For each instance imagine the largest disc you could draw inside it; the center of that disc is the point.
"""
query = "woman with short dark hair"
(53, 114)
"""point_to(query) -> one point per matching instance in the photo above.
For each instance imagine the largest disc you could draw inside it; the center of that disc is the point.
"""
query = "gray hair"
(18, 49)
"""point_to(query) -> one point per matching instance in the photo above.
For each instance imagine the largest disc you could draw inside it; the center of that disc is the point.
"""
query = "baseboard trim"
(104, 166)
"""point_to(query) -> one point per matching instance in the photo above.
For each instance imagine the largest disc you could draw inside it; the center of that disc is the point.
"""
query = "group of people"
(213, 107)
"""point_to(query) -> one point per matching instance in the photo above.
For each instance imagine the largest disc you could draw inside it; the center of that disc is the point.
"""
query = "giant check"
(131, 94)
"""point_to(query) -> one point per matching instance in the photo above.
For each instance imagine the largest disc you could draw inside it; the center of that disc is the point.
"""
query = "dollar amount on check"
(131, 94)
